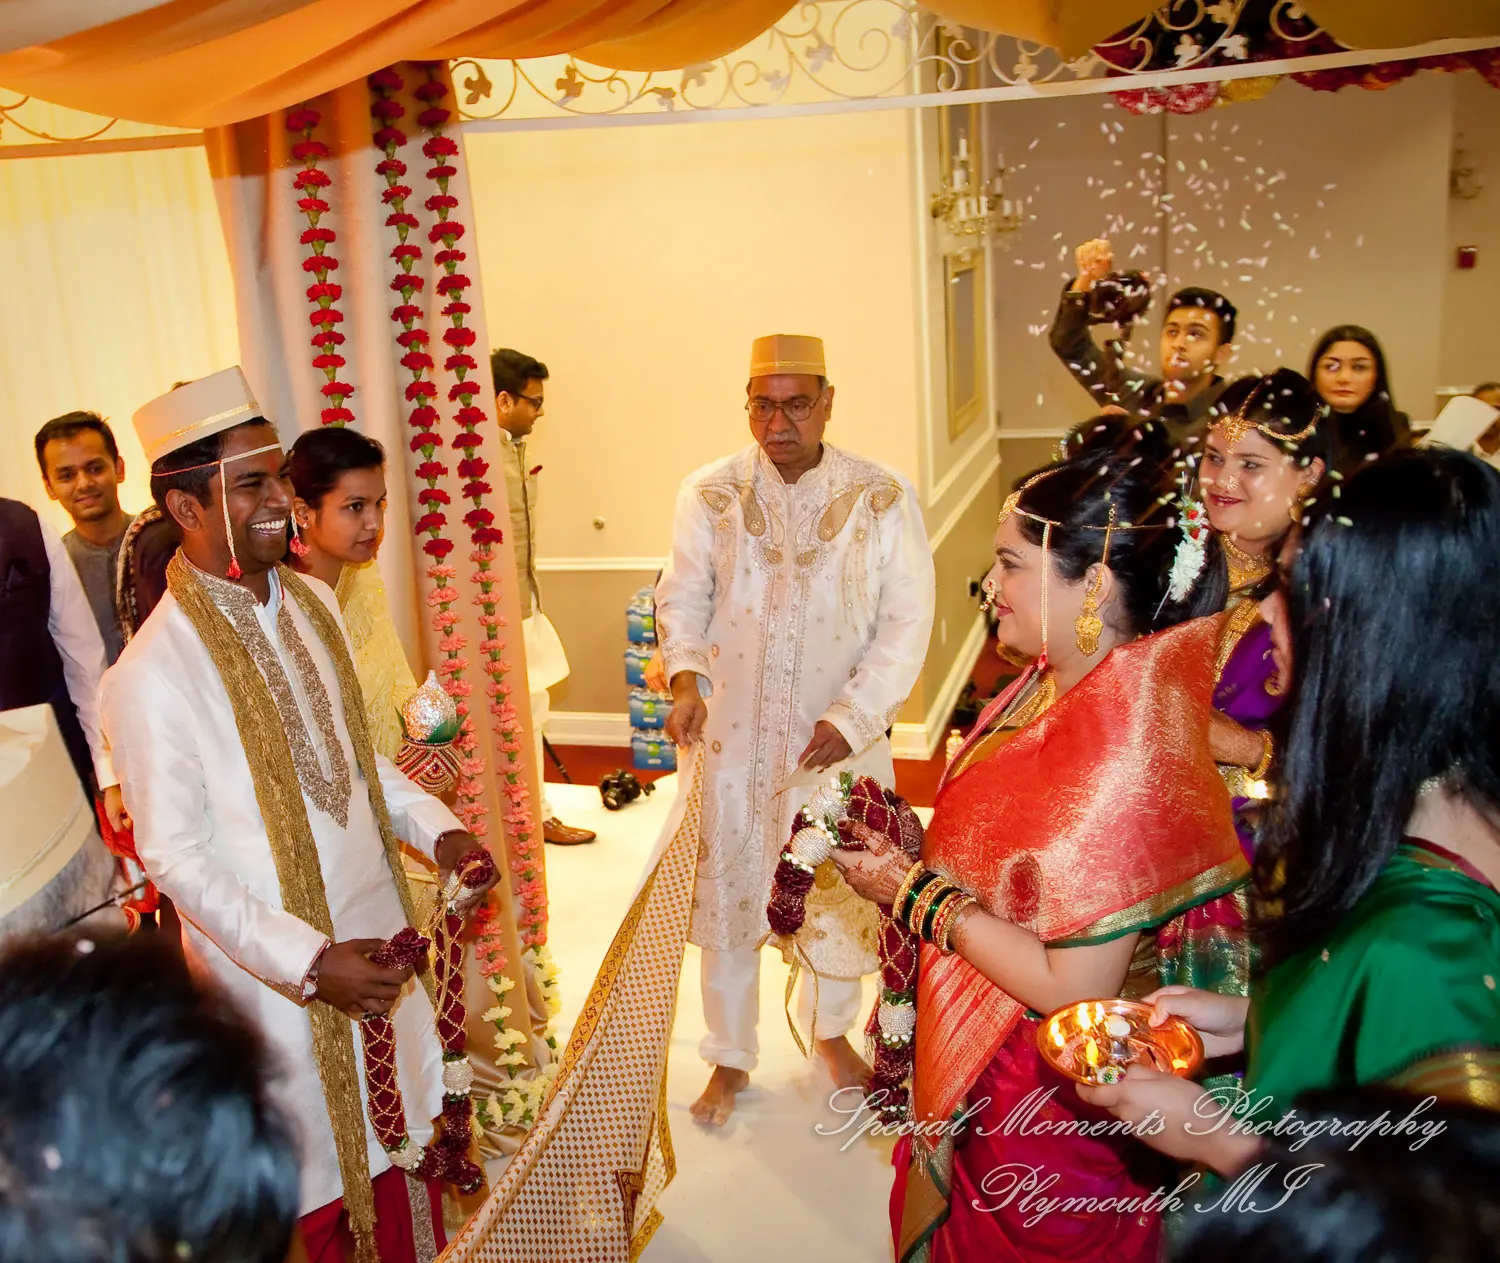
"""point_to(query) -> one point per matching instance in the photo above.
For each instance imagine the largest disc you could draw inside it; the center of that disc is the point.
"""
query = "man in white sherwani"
(793, 618)
(229, 843)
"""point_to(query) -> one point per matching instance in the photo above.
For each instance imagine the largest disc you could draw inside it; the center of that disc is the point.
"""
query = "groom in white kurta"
(794, 616)
(199, 827)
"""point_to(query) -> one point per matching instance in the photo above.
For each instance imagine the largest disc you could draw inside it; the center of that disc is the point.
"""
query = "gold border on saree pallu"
(1471, 1076)
(1154, 909)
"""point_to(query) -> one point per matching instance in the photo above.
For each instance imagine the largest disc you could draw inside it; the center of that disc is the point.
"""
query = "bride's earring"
(298, 545)
(1088, 625)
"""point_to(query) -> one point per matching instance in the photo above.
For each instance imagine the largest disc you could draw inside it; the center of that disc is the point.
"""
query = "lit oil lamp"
(1097, 1041)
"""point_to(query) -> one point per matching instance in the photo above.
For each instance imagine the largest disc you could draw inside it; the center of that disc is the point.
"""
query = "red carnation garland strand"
(894, 1039)
(312, 184)
(489, 945)
(424, 419)
(527, 866)
(446, 1157)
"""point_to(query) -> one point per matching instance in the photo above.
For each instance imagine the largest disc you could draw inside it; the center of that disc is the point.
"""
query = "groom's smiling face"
(259, 497)
(249, 489)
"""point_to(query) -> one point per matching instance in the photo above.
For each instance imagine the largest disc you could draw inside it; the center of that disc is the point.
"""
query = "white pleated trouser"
(731, 1007)
(541, 705)
(546, 665)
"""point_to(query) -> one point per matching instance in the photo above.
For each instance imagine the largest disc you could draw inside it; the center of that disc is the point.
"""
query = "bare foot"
(846, 1066)
(717, 1102)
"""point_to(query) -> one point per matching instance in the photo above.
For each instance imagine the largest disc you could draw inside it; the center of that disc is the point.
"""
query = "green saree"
(1403, 993)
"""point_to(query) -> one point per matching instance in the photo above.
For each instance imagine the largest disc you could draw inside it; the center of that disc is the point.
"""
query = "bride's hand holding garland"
(843, 820)
(875, 872)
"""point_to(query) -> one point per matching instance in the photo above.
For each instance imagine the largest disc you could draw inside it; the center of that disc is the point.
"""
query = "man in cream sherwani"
(793, 618)
(229, 844)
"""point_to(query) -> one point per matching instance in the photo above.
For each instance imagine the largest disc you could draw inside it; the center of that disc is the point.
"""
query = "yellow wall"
(639, 263)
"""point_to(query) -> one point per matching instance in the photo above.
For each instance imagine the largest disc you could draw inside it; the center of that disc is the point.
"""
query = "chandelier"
(971, 213)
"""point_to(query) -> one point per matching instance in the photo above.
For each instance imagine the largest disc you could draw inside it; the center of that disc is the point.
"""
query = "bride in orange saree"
(1083, 813)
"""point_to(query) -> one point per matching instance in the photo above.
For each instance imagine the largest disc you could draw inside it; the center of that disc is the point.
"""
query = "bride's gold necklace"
(1036, 702)
(1245, 569)
(1038, 699)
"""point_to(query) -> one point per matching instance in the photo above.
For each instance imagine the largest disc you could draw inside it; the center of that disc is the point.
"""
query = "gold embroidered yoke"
(793, 604)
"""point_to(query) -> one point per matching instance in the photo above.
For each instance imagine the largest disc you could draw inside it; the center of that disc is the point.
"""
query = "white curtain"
(120, 286)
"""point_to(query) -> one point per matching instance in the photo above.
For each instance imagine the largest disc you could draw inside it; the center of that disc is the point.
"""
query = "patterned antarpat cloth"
(583, 1186)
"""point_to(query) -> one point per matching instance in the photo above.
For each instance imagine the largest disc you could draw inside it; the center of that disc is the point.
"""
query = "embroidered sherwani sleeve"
(418, 818)
(867, 704)
(161, 775)
(685, 591)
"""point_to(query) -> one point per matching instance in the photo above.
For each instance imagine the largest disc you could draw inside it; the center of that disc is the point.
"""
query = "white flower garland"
(518, 1104)
(1187, 561)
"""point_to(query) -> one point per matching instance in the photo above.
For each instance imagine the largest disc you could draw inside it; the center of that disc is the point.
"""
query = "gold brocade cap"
(193, 411)
(787, 353)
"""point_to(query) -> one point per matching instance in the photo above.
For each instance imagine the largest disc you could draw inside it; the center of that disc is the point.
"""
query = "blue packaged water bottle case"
(652, 751)
(648, 709)
(636, 658)
(640, 618)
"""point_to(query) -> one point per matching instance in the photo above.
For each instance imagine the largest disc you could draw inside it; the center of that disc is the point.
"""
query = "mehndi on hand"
(876, 870)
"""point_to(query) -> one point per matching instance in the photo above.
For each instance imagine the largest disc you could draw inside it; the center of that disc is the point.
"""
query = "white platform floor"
(767, 1185)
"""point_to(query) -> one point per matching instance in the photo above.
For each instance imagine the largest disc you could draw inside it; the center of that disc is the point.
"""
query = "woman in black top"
(1348, 369)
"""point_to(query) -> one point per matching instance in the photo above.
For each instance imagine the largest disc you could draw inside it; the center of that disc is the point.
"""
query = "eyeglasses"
(796, 409)
(536, 401)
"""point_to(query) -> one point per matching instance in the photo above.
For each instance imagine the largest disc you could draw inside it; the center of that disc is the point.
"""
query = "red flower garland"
(528, 873)
(447, 1155)
(1185, 98)
(877, 809)
(424, 419)
(882, 811)
(313, 183)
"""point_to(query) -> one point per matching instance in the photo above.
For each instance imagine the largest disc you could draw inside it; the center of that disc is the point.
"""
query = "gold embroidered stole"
(279, 794)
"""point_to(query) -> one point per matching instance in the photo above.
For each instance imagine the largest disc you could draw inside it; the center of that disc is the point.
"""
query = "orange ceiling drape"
(204, 63)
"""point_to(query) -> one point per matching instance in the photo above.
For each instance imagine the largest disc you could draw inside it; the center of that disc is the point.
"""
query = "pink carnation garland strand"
(528, 877)
(424, 419)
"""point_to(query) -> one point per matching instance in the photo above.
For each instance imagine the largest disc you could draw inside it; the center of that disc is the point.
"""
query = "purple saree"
(1242, 693)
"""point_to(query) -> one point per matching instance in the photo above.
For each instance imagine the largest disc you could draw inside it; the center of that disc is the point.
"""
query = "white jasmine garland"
(516, 1107)
(1187, 561)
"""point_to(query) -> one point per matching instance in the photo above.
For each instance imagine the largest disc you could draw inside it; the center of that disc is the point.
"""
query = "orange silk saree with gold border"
(1104, 816)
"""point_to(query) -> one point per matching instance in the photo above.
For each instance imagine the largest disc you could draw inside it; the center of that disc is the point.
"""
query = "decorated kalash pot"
(1096, 1041)
(429, 723)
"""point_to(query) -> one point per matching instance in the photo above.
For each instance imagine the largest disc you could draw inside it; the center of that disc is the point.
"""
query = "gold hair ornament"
(1088, 626)
(1238, 424)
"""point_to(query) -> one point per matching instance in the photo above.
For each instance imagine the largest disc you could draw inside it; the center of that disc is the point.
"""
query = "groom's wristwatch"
(310, 979)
